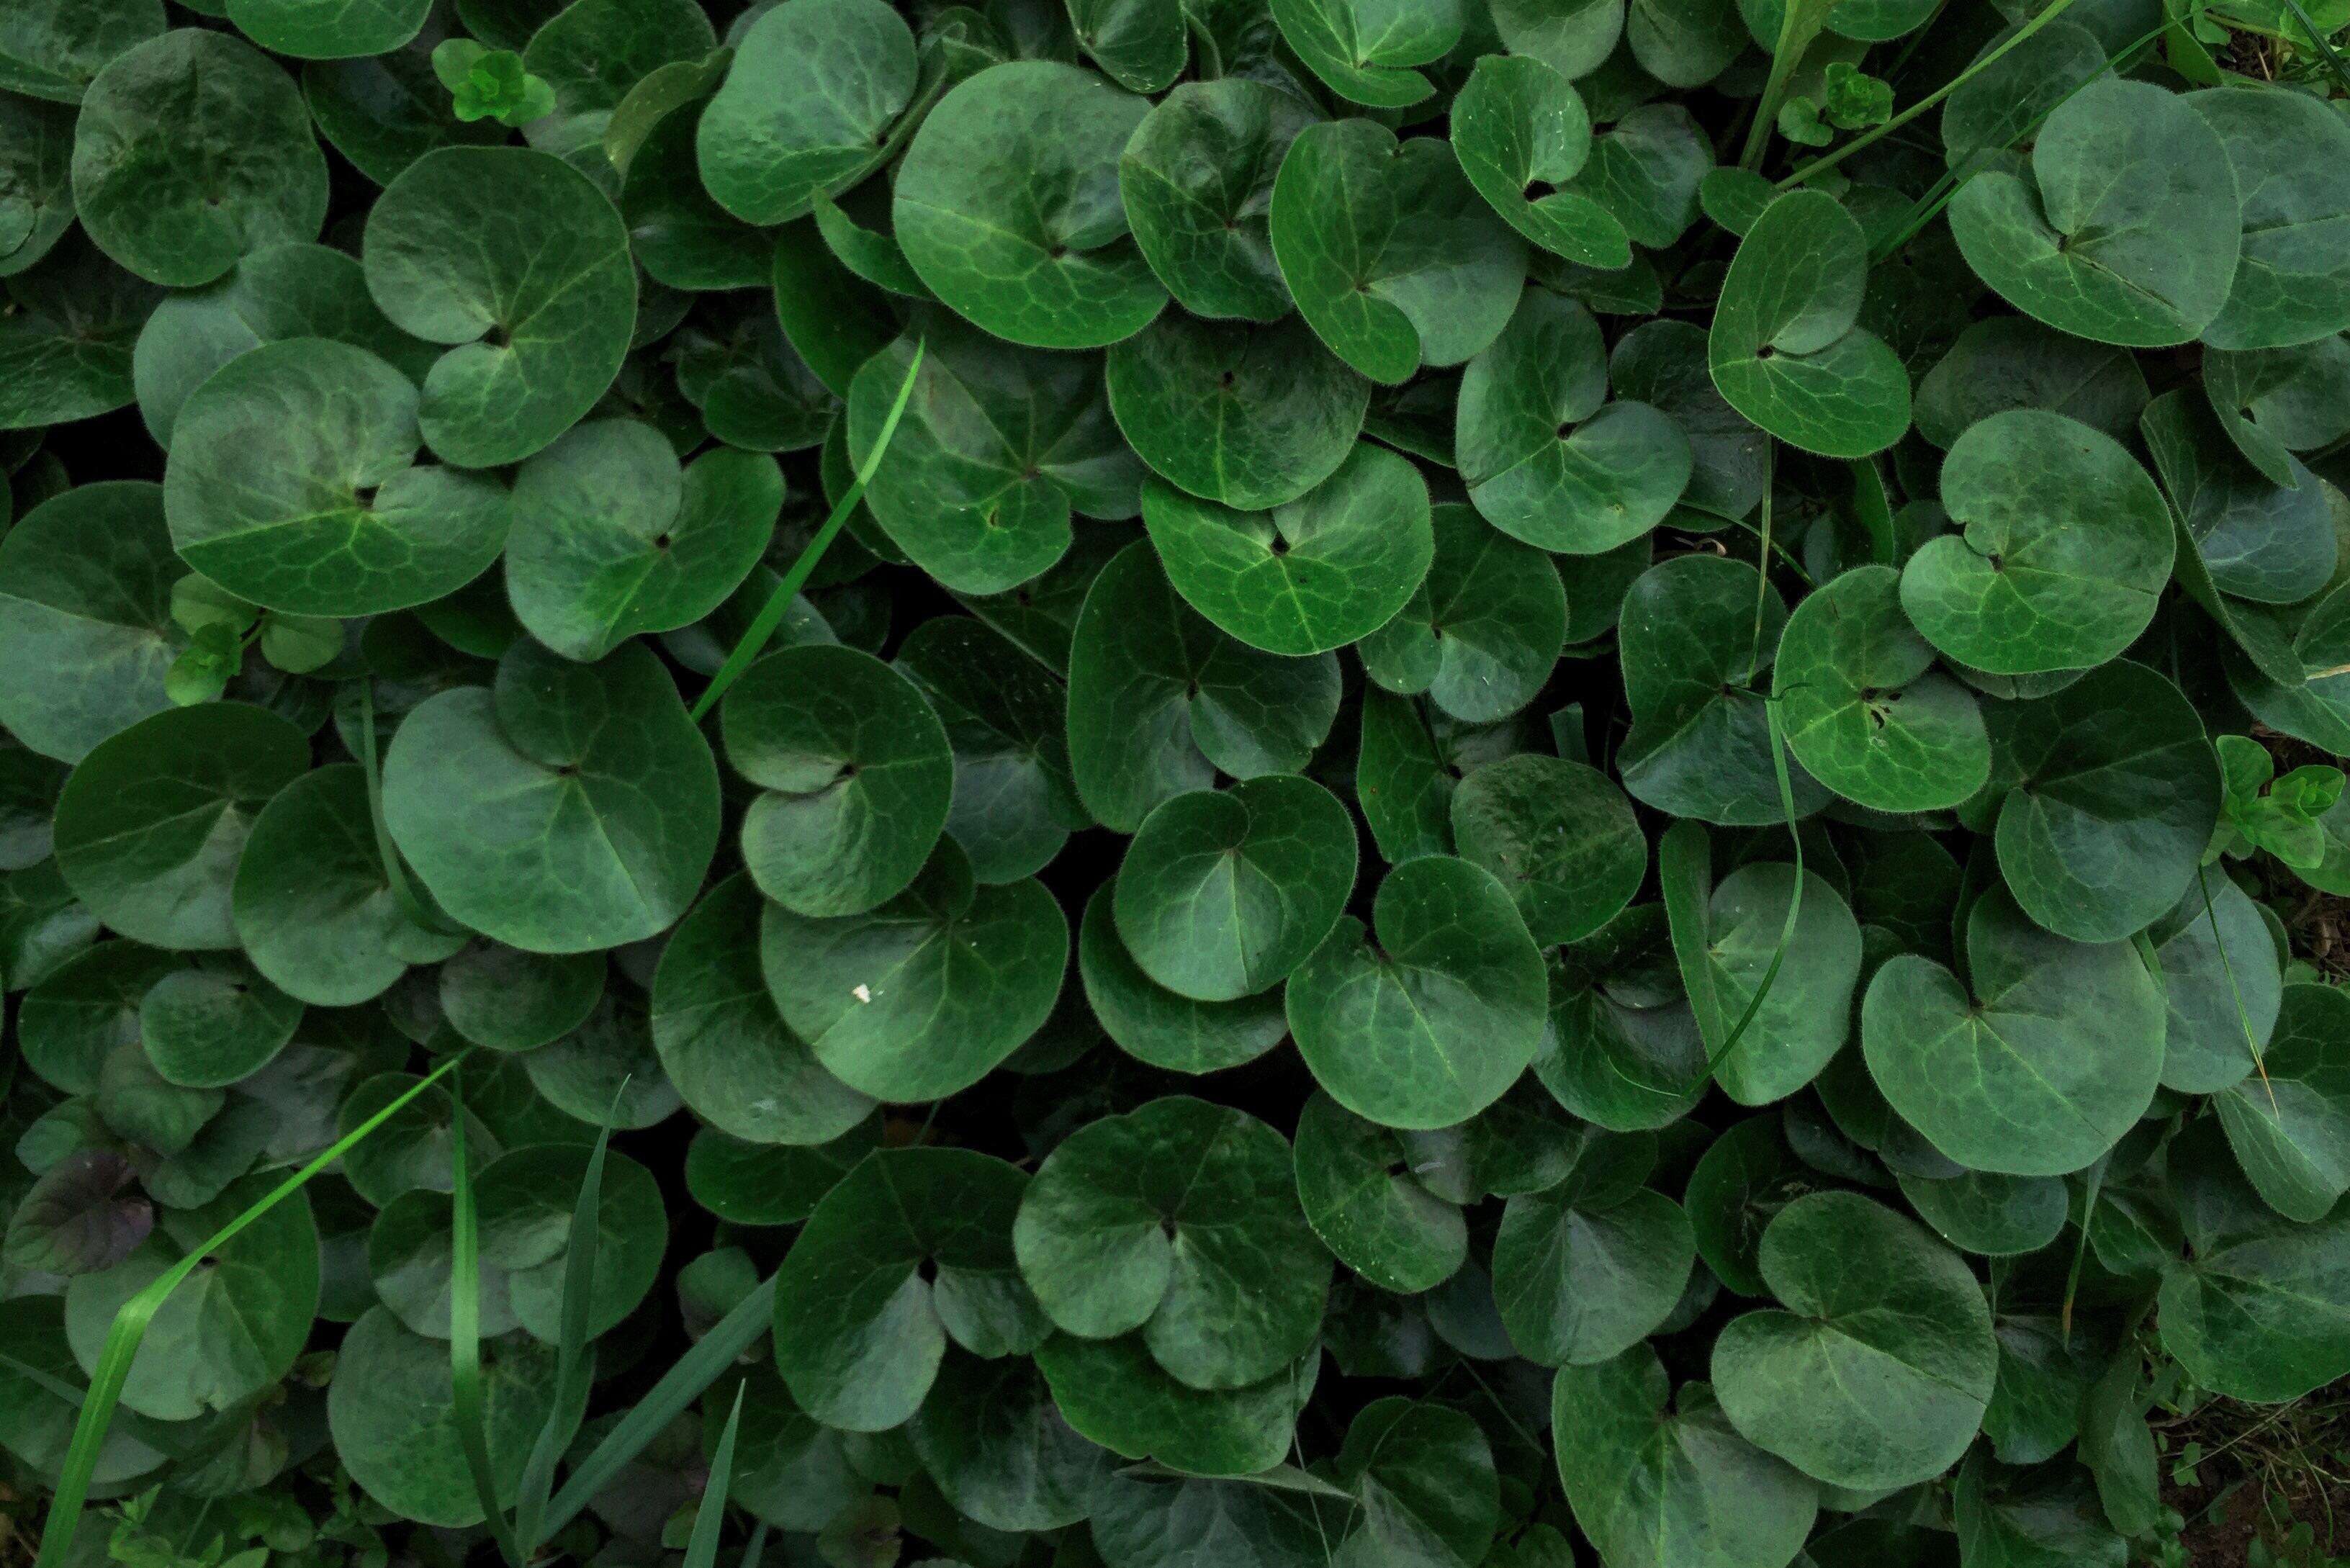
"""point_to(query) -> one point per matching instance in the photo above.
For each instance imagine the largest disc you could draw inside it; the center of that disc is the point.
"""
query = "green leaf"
(2290, 1127)
(1111, 1391)
(392, 1410)
(230, 1334)
(1734, 938)
(807, 107)
(2250, 537)
(334, 30)
(568, 807)
(2260, 1309)
(151, 822)
(855, 773)
(2066, 548)
(1864, 709)
(612, 536)
(1521, 132)
(1484, 629)
(2290, 155)
(1546, 458)
(1427, 1022)
(1658, 1483)
(1877, 1373)
(192, 150)
(1179, 1222)
(2008, 362)
(998, 447)
(1418, 271)
(1425, 1479)
(1559, 835)
(1593, 1266)
(1154, 1024)
(1365, 51)
(1250, 417)
(2036, 1066)
(913, 1247)
(1153, 715)
(1785, 348)
(925, 994)
(723, 1044)
(2127, 231)
(520, 264)
(1000, 1451)
(1007, 206)
(2222, 986)
(1222, 893)
(2109, 795)
(1360, 1188)
(293, 481)
(1143, 44)
(1196, 178)
(1307, 577)
(85, 623)
(1014, 803)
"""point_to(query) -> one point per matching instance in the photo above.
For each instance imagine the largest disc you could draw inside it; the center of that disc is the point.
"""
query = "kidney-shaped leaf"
(1007, 205)
(1178, 1219)
(1427, 1018)
(2038, 1065)
(1785, 349)
(2127, 231)
(569, 807)
(912, 1248)
(2065, 551)
(1877, 1373)
(519, 263)
(1393, 257)
(293, 483)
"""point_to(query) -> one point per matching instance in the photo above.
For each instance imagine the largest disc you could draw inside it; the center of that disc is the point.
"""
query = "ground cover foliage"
(1132, 785)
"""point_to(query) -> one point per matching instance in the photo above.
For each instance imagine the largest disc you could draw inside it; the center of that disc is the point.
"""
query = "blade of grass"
(1938, 195)
(701, 1546)
(2236, 993)
(758, 1547)
(2334, 60)
(130, 1327)
(779, 604)
(679, 1387)
(1720, 1054)
(573, 1368)
(470, 1405)
(1827, 161)
(1798, 25)
(395, 871)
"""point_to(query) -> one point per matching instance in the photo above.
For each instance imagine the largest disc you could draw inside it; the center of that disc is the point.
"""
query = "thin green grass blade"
(1827, 161)
(465, 1345)
(130, 1327)
(779, 603)
(573, 1367)
(1938, 195)
(2236, 993)
(757, 1549)
(679, 1387)
(429, 918)
(2334, 60)
(701, 1546)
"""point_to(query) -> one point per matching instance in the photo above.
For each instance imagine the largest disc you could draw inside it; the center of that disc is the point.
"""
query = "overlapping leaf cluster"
(1509, 817)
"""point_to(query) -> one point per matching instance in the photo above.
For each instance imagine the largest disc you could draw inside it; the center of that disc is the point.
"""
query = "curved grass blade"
(465, 1342)
(779, 603)
(710, 1518)
(679, 1387)
(1827, 161)
(130, 1327)
(573, 1368)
